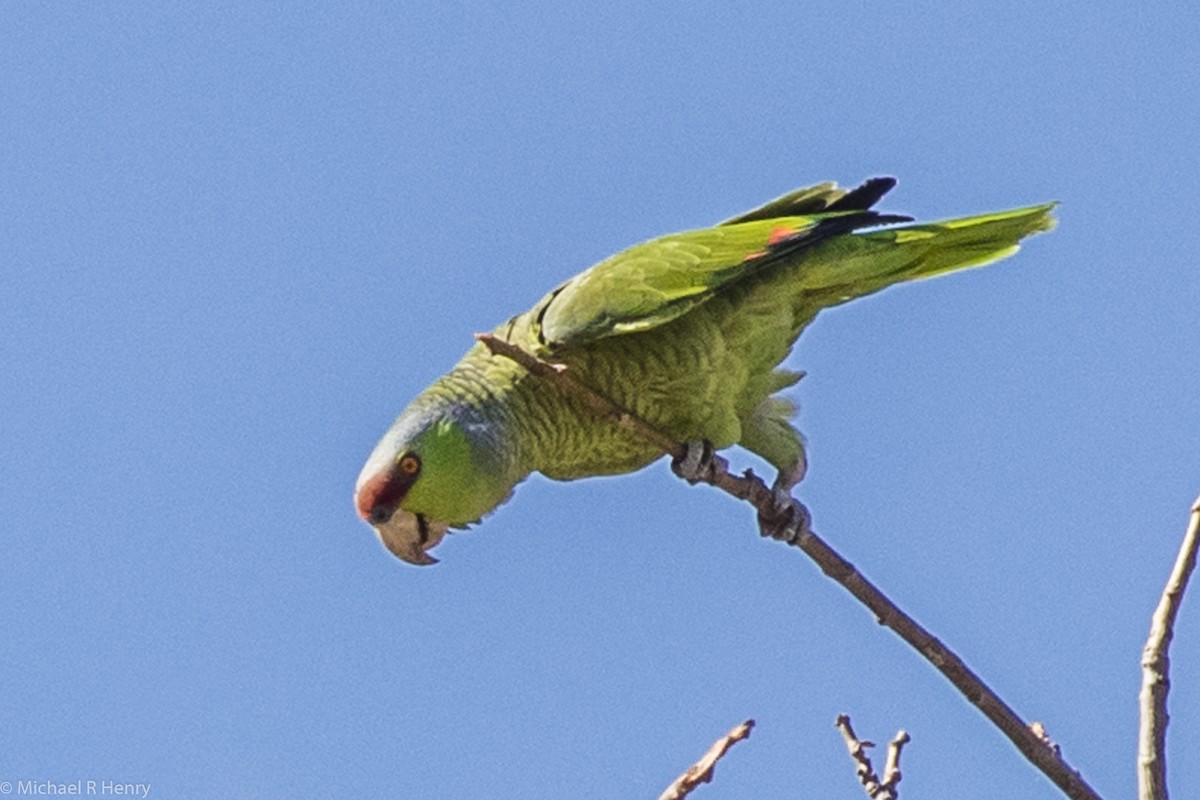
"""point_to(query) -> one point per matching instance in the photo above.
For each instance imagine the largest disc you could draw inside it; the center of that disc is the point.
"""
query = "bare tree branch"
(1152, 730)
(702, 770)
(1039, 730)
(891, 767)
(876, 788)
(749, 487)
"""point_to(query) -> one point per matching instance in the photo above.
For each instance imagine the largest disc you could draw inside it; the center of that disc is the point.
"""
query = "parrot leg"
(768, 433)
(699, 464)
(787, 519)
(790, 518)
(785, 479)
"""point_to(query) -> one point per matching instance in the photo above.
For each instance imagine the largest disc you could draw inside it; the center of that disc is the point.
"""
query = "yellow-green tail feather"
(862, 263)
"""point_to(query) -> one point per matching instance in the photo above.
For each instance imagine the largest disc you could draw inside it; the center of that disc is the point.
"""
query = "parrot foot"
(700, 463)
(788, 521)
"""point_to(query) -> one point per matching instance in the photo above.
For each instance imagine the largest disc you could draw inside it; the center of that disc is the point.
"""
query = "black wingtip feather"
(864, 196)
(885, 219)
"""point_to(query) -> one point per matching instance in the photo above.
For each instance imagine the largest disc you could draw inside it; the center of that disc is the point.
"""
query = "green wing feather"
(804, 202)
(655, 282)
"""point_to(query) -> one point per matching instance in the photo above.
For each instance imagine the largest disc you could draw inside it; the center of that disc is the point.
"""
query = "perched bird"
(687, 331)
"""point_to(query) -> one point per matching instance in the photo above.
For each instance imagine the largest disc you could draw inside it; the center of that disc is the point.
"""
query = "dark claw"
(697, 463)
(789, 519)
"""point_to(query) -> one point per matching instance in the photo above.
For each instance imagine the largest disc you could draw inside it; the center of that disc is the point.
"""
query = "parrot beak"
(411, 536)
(377, 498)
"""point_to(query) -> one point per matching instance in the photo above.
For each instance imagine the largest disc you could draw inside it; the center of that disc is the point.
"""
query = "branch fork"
(877, 788)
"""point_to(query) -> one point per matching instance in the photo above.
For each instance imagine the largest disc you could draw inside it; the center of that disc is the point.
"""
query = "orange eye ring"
(409, 464)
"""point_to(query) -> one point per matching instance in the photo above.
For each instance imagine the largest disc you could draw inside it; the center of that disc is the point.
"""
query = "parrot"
(688, 331)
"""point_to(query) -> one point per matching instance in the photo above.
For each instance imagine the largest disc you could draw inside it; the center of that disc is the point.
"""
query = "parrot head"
(433, 470)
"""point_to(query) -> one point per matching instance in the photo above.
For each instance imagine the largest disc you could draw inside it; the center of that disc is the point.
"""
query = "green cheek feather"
(459, 481)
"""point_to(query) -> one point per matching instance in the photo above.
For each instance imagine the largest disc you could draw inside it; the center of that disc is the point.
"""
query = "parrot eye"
(409, 464)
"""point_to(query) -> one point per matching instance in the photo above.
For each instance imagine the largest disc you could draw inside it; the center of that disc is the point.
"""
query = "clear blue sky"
(236, 240)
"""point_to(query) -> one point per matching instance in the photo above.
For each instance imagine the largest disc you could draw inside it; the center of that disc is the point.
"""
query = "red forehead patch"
(384, 489)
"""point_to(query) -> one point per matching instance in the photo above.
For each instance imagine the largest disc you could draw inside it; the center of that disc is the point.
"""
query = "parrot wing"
(822, 198)
(655, 282)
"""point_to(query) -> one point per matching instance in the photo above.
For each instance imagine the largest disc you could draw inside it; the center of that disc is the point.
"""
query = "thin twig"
(749, 487)
(1152, 729)
(702, 770)
(891, 767)
(876, 788)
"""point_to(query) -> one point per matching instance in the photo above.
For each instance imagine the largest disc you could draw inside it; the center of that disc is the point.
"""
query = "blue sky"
(235, 241)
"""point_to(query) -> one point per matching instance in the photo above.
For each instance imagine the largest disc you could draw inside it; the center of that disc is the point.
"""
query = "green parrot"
(687, 331)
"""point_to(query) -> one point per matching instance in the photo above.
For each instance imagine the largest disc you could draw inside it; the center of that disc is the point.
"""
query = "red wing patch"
(779, 233)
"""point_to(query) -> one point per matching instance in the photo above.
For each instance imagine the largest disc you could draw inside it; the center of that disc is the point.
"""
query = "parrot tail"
(863, 263)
